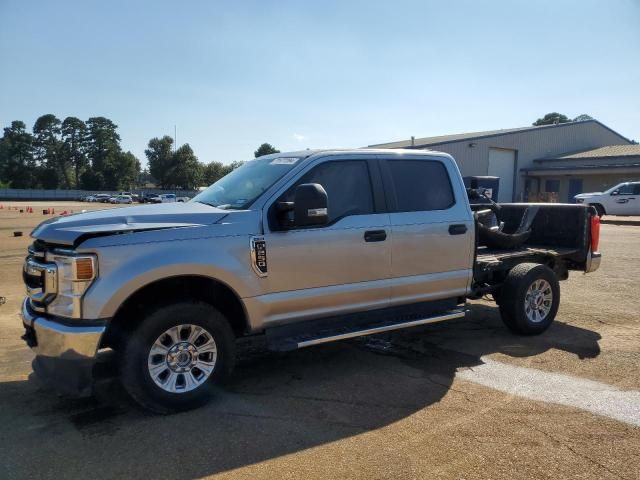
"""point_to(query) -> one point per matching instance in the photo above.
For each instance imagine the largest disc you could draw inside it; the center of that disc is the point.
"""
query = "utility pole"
(175, 138)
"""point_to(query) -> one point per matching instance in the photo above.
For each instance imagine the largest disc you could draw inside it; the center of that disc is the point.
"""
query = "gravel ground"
(404, 405)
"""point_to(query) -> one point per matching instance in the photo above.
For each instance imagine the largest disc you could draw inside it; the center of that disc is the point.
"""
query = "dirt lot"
(462, 399)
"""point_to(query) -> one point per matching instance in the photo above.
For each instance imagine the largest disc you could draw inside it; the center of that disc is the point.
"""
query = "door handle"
(458, 229)
(375, 236)
(623, 200)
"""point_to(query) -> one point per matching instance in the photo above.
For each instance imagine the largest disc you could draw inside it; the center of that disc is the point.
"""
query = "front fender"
(123, 270)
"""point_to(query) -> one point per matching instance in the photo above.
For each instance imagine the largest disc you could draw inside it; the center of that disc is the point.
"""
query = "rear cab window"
(418, 185)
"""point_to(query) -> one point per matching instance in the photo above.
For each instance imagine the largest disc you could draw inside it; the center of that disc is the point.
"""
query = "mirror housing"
(615, 192)
(310, 205)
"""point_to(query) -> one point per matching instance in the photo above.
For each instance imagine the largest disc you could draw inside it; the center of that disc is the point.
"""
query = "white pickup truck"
(623, 199)
(304, 248)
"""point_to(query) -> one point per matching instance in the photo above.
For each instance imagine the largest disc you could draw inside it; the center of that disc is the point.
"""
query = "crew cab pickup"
(303, 248)
(622, 199)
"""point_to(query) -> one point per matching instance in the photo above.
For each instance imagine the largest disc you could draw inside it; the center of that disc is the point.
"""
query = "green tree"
(552, 118)
(187, 171)
(212, 172)
(265, 149)
(583, 118)
(161, 160)
(17, 164)
(48, 152)
(74, 146)
(120, 171)
(103, 146)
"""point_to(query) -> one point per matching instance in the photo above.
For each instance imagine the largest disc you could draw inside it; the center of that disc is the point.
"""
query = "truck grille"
(40, 277)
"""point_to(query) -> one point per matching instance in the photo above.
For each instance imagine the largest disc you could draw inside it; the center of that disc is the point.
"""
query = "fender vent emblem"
(259, 255)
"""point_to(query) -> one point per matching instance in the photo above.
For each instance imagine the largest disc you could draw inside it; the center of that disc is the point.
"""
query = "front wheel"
(174, 358)
(530, 298)
(599, 210)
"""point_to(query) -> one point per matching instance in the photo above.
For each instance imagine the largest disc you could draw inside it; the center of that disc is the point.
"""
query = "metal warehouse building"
(562, 160)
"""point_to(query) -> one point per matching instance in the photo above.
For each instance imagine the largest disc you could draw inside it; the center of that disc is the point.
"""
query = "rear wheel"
(174, 358)
(529, 298)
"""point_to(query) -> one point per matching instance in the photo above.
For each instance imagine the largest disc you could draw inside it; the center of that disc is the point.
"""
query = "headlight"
(75, 275)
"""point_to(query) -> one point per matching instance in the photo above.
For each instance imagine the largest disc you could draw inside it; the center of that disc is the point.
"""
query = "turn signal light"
(84, 269)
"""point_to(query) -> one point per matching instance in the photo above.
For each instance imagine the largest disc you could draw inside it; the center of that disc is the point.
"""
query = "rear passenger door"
(432, 230)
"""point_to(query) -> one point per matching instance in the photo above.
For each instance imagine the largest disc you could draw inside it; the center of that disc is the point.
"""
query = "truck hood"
(72, 229)
(588, 195)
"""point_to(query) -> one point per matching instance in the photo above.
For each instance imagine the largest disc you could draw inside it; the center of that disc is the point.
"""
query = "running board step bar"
(283, 344)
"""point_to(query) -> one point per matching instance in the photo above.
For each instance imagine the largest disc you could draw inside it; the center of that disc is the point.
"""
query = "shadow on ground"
(277, 404)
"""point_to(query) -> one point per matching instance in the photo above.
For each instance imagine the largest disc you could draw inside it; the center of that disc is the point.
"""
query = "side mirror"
(310, 205)
(615, 192)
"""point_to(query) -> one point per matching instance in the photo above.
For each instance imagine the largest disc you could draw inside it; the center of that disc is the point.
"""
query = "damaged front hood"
(71, 229)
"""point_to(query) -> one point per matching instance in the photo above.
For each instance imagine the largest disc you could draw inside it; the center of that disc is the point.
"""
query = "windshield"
(241, 187)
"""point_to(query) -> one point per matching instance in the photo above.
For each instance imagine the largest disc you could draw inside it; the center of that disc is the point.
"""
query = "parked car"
(167, 198)
(100, 197)
(121, 199)
(341, 244)
(145, 197)
(182, 199)
(89, 198)
(151, 198)
(623, 199)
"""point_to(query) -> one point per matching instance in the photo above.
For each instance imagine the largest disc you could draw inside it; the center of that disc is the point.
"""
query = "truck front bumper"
(65, 354)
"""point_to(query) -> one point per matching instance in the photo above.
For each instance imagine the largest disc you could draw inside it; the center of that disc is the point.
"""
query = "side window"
(627, 189)
(347, 184)
(636, 189)
(420, 185)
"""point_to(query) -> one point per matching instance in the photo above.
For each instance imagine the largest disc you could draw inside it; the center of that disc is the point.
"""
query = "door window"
(628, 189)
(347, 184)
(420, 185)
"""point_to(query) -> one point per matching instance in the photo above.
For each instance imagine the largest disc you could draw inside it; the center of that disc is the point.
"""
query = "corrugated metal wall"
(530, 145)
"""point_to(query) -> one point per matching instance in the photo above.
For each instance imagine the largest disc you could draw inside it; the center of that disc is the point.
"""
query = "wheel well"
(596, 205)
(171, 290)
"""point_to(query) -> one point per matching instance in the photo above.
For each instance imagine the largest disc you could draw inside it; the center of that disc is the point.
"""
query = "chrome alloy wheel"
(182, 358)
(538, 301)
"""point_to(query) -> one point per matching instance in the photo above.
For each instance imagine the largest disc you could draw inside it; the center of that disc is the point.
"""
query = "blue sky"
(300, 74)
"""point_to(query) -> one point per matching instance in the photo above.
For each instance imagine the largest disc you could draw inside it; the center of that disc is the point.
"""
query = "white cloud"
(299, 137)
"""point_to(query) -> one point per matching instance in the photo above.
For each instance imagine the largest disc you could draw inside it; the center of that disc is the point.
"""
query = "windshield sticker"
(284, 161)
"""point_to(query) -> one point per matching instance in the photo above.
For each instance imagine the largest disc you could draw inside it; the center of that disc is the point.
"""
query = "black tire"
(136, 377)
(599, 209)
(515, 310)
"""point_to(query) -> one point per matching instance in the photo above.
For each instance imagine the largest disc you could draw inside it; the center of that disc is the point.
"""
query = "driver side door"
(624, 202)
(336, 268)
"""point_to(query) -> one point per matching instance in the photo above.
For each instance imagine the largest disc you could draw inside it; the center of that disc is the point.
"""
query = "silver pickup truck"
(303, 248)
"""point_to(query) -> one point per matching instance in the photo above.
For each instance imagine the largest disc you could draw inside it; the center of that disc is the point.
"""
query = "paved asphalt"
(464, 399)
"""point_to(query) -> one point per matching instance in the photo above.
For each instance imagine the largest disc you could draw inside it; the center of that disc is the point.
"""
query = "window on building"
(552, 186)
(420, 185)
